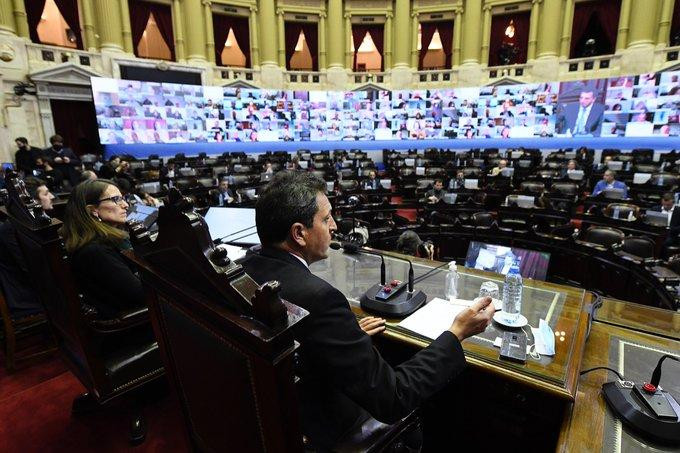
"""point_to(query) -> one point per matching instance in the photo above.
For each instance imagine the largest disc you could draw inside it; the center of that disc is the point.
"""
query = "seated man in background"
(409, 243)
(371, 183)
(495, 171)
(437, 192)
(458, 182)
(668, 207)
(25, 156)
(571, 168)
(224, 195)
(343, 378)
(609, 182)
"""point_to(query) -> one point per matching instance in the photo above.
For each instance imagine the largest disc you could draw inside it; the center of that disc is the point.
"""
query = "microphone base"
(629, 408)
(398, 305)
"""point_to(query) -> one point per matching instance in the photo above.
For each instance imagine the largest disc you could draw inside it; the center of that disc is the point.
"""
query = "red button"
(649, 388)
(395, 282)
(387, 289)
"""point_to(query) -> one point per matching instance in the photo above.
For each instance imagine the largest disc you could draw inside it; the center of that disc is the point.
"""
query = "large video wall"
(133, 112)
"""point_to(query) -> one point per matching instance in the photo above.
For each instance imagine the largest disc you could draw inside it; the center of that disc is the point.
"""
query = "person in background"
(25, 156)
(44, 170)
(668, 207)
(65, 160)
(571, 167)
(409, 243)
(458, 182)
(495, 171)
(609, 182)
(371, 183)
(40, 192)
(87, 175)
(268, 168)
(437, 192)
(224, 195)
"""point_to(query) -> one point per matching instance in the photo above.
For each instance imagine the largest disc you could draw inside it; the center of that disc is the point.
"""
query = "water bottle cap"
(452, 266)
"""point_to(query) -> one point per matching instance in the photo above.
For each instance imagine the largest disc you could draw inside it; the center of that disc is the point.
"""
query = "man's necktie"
(579, 127)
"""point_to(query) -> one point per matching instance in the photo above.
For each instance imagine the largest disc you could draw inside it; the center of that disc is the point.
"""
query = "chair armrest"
(126, 320)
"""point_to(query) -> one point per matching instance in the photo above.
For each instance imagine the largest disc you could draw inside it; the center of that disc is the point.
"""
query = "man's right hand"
(473, 320)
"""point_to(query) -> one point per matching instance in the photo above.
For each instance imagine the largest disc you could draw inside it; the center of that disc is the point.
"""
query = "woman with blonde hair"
(94, 233)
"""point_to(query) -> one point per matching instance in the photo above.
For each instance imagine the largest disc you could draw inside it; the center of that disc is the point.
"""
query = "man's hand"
(66, 160)
(58, 160)
(473, 320)
(372, 325)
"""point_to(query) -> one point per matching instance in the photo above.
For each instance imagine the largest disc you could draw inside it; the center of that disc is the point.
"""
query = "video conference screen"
(498, 258)
(135, 112)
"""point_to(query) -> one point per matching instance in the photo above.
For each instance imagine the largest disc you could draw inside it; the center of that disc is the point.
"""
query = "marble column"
(402, 13)
(567, 24)
(281, 30)
(457, 35)
(349, 53)
(533, 29)
(336, 35)
(388, 51)
(643, 29)
(550, 21)
(624, 23)
(127, 30)
(20, 19)
(472, 17)
(7, 26)
(209, 34)
(194, 28)
(109, 25)
(415, 53)
(267, 28)
(178, 30)
(663, 34)
(486, 34)
(254, 38)
(88, 25)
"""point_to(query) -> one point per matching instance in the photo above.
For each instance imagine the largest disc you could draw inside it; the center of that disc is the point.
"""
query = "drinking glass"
(489, 289)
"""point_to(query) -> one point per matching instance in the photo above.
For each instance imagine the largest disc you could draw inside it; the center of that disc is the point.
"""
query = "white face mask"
(544, 338)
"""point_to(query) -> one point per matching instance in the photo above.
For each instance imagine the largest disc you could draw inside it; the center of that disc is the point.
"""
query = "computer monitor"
(330, 186)
(507, 172)
(266, 177)
(641, 178)
(615, 165)
(420, 171)
(656, 218)
(575, 175)
(522, 201)
(498, 258)
(450, 198)
(304, 164)
(410, 162)
(146, 215)
(613, 194)
(7, 166)
(235, 225)
(386, 183)
(472, 183)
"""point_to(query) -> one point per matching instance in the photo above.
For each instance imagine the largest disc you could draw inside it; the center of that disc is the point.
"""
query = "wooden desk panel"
(642, 318)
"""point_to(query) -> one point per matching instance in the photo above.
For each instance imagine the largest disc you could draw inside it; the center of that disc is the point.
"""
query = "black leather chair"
(483, 219)
(79, 334)
(603, 236)
(639, 246)
(569, 189)
(622, 211)
(532, 186)
(664, 180)
(229, 348)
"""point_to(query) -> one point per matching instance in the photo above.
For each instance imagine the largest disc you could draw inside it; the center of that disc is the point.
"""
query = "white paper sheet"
(433, 319)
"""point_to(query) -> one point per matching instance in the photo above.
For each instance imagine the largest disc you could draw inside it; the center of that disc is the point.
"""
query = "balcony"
(41, 56)
(601, 66)
(362, 78)
(516, 71)
(231, 74)
(293, 78)
(436, 77)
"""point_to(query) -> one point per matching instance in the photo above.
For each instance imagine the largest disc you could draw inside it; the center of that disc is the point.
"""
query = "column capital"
(253, 8)
(206, 2)
(536, 2)
(415, 13)
(458, 11)
(322, 14)
(389, 14)
(347, 15)
(487, 7)
(280, 12)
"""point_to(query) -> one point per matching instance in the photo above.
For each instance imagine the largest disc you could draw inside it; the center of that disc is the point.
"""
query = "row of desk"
(549, 403)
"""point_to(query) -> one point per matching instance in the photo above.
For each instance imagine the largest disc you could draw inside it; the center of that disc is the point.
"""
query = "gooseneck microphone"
(386, 298)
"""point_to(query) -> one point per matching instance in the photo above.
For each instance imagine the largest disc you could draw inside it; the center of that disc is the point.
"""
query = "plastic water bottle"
(512, 294)
(452, 282)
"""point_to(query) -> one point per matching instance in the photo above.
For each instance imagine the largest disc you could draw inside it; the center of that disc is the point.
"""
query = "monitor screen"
(146, 215)
(7, 166)
(498, 258)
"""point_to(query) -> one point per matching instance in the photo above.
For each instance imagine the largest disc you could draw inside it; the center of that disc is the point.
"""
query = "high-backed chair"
(482, 219)
(638, 246)
(228, 343)
(603, 236)
(105, 375)
(622, 211)
(532, 186)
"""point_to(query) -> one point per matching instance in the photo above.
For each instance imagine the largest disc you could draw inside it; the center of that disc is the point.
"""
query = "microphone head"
(335, 245)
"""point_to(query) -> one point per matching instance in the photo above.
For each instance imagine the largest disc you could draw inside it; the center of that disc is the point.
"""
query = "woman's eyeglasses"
(118, 199)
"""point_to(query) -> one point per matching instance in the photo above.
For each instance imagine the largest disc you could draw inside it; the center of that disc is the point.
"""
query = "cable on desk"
(603, 368)
(591, 312)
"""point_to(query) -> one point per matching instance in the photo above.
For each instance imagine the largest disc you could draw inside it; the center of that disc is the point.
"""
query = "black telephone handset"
(514, 347)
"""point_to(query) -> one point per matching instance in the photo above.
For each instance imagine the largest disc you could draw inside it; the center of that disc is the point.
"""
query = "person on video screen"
(581, 118)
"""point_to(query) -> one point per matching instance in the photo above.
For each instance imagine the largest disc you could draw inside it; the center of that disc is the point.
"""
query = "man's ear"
(298, 234)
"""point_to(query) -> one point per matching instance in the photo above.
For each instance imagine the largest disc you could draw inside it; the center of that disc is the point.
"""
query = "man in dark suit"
(224, 195)
(64, 159)
(25, 156)
(371, 183)
(343, 379)
(581, 118)
(668, 207)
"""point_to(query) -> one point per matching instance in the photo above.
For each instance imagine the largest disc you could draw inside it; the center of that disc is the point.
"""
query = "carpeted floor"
(35, 416)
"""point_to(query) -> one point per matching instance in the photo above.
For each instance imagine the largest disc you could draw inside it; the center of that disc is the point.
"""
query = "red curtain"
(69, 9)
(427, 30)
(34, 9)
(310, 30)
(607, 13)
(241, 27)
(292, 35)
(139, 17)
(446, 35)
(359, 32)
(520, 41)
(675, 23)
(530, 262)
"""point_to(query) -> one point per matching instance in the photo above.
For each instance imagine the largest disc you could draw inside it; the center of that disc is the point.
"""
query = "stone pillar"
(20, 19)
(254, 38)
(472, 38)
(349, 53)
(663, 35)
(195, 31)
(89, 34)
(533, 30)
(323, 51)
(486, 34)
(7, 26)
(567, 23)
(178, 30)
(415, 53)
(387, 47)
(268, 36)
(209, 34)
(281, 32)
(336, 34)
(624, 21)
(127, 30)
(457, 33)
(550, 20)
(402, 10)
(643, 30)
(109, 25)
